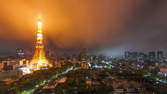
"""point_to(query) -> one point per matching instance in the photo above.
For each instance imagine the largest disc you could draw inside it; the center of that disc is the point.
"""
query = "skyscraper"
(152, 56)
(20, 53)
(160, 56)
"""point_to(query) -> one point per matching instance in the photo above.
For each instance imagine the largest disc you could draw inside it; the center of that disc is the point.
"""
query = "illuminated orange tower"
(39, 60)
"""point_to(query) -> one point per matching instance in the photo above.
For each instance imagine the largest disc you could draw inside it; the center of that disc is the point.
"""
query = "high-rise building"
(135, 56)
(20, 53)
(126, 55)
(152, 56)
(83, 54)
(132, 56)
(160, 56)
(39, 60)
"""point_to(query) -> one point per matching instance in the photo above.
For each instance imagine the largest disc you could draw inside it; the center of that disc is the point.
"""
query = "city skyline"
(83, 47)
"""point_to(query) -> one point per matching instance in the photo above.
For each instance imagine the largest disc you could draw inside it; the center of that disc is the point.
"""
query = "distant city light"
(25, 70)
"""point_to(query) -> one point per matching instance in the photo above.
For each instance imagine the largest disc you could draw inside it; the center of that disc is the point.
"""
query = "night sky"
(104, 26)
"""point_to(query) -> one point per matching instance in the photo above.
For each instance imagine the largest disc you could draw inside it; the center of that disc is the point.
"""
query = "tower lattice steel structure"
(39, 60)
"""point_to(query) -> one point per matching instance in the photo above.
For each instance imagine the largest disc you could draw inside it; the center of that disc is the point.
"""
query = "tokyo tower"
(39, 60)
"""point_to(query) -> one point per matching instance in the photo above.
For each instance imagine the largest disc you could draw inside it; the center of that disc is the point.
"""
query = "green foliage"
(30, 82)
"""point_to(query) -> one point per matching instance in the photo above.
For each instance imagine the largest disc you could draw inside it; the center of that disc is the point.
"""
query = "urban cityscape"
(72, 62)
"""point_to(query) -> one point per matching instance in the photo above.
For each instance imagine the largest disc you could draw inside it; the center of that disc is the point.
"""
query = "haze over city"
(83, 47)
(98, 25)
